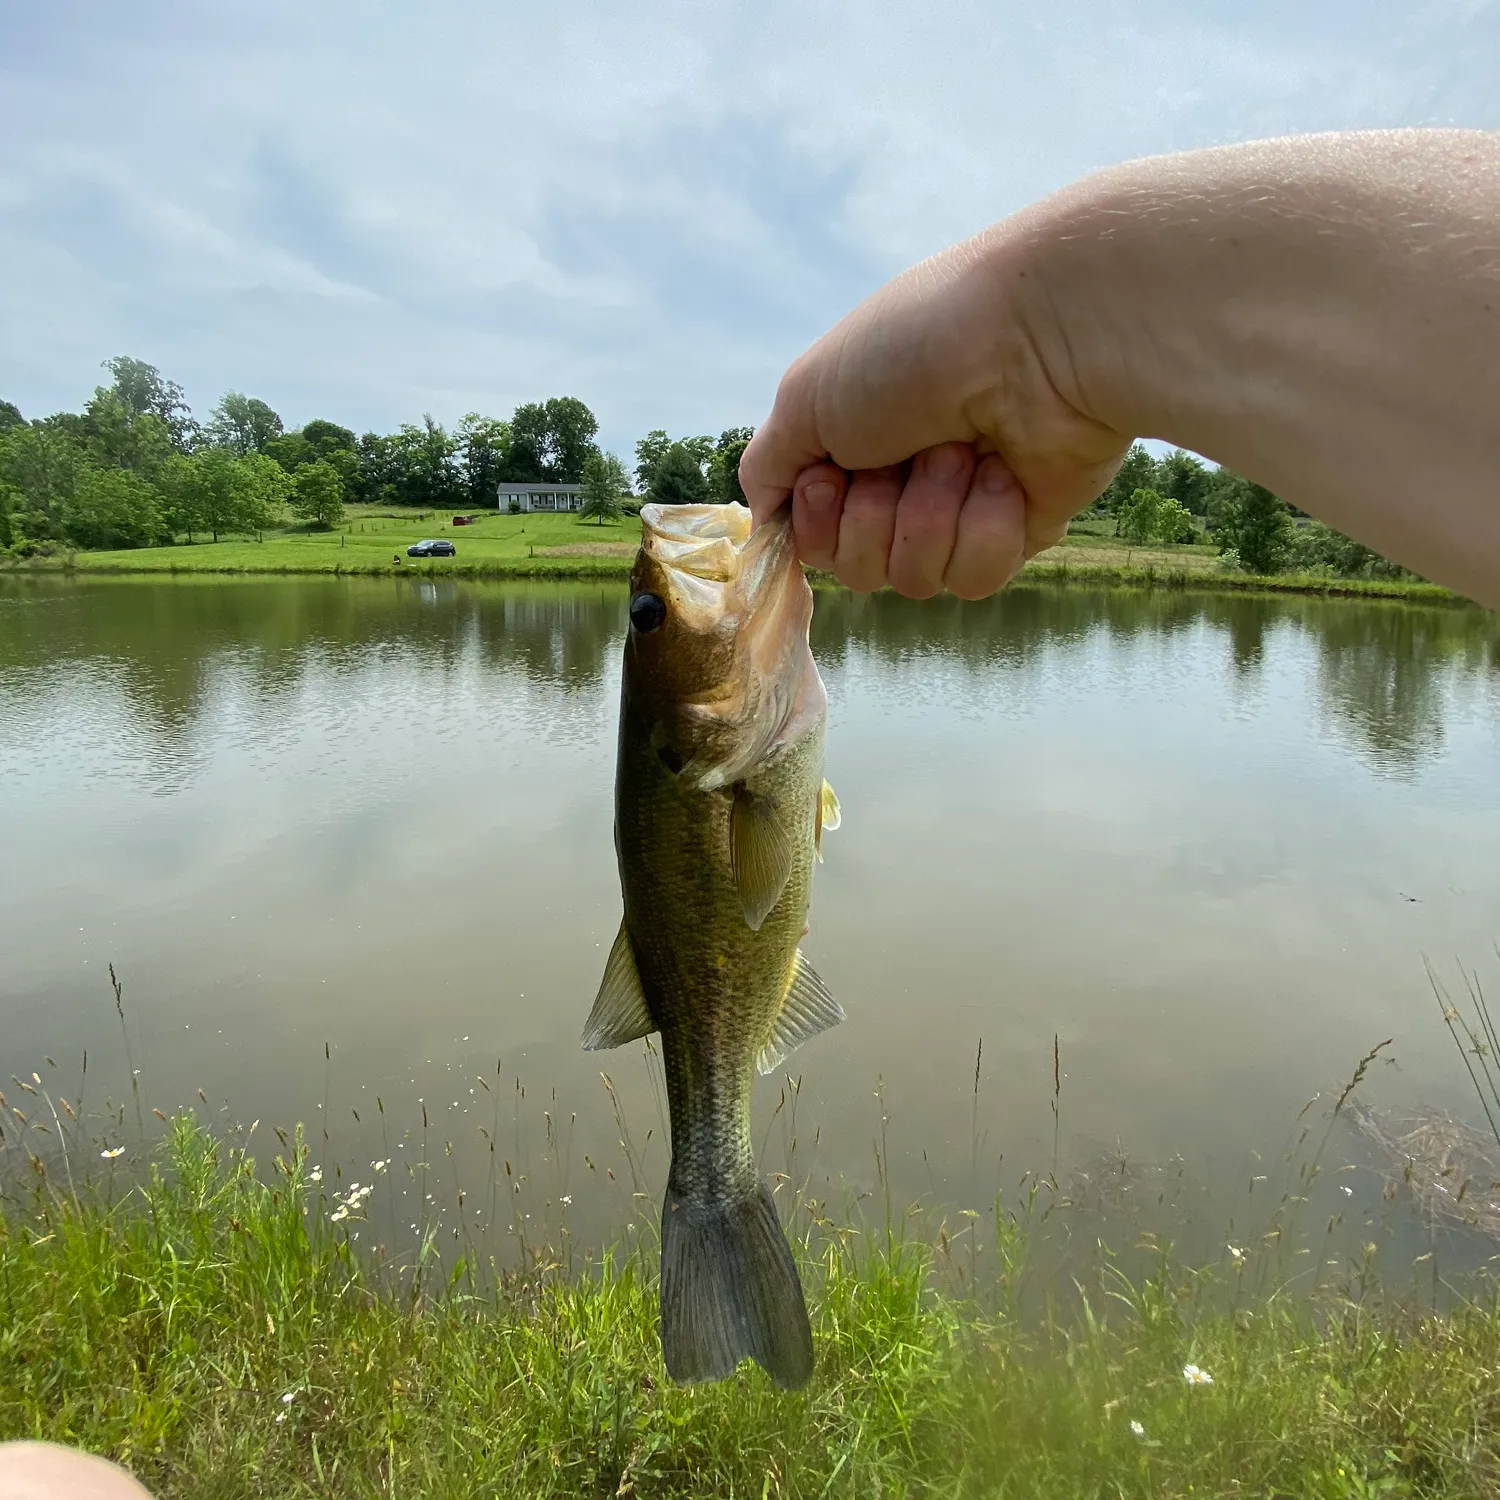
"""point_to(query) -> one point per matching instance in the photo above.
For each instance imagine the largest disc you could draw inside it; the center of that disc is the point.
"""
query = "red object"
(463, 520)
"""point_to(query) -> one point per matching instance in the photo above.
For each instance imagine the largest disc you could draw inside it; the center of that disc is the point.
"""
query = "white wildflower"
(1238, 1254)
(316, 1175)
(380, 1166)
(288, 1398)
(1194, 1376)
(281, 1416)
(113, 1152)
(1137, 1429)
(566, 1199)
(1348, 1192)
(340, 1213)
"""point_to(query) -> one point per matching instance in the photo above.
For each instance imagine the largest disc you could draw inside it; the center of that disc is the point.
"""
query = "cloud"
(366, 213)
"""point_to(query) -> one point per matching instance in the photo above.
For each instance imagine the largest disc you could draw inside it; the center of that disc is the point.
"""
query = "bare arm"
(1320, 313)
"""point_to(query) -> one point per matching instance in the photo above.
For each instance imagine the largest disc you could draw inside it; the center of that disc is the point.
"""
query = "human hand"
(935, 438)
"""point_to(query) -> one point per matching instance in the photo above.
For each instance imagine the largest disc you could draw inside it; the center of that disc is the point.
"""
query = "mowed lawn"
(372, 539)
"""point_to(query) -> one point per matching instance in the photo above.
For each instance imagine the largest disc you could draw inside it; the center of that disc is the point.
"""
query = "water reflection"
(1385, 672)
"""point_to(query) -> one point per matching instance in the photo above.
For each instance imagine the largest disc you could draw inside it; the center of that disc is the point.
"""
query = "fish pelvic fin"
(807, 1009)
(761, 853)
(730, 1291)
(828, 817)
(620, 1012)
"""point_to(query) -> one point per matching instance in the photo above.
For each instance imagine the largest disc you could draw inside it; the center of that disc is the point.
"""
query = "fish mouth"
(726, 576)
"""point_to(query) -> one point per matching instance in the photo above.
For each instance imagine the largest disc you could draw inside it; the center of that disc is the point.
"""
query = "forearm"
(1321, 314)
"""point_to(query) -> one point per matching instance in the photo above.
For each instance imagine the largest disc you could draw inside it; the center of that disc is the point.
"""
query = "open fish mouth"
(741, 585)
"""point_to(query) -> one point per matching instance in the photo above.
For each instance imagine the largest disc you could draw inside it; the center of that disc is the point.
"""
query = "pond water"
(349, 840)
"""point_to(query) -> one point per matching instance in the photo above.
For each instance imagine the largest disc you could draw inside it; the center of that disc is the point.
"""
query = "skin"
(1320, 313)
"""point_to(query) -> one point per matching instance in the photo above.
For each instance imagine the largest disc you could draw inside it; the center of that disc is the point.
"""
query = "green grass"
(538, 546)
(213, 1330)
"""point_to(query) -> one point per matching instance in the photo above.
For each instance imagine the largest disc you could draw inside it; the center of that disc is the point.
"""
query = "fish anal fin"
(760, 854)
(829, 816)
(620, 1012)
(807, 1009)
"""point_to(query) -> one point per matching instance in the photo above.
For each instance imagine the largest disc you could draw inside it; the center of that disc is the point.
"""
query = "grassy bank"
(537, 546)
(219, 1334)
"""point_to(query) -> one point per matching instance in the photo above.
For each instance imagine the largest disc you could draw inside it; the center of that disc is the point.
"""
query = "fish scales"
(720, 804)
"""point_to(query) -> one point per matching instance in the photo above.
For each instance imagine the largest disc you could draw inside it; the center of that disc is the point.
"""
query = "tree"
(549, 441)
(113, 508)
(114, 436)
(223, 493)
(243, 424)
(649, 452)
(41, 461)
(1150, 517)
(1185, 479)
(604, 484)
(141, 387)
(10, 416)
(678, 479)
(724, 466)
(483, 448)
(1137, 471)
(318, 494)
(1254, 524)
(418, 466)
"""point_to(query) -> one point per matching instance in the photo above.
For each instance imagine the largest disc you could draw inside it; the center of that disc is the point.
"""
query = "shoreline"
(565, 568)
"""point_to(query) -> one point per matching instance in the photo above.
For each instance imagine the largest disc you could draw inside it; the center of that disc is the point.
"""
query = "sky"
(369, 211)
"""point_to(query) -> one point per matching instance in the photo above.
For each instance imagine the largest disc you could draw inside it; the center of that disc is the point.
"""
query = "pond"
(346, 844)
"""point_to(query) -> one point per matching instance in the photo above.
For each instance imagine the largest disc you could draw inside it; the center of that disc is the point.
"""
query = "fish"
(720, 810)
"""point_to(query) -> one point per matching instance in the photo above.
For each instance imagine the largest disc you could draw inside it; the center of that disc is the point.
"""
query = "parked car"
(432, 549)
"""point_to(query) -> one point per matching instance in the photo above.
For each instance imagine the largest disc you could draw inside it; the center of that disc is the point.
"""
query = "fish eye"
(647, 611)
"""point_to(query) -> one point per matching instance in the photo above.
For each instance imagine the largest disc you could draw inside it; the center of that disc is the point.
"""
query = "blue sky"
(369, 211)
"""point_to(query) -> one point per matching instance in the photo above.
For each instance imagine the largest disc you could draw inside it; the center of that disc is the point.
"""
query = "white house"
(549, 497)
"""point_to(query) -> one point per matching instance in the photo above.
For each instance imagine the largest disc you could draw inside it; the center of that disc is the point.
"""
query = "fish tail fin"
(730, 1289)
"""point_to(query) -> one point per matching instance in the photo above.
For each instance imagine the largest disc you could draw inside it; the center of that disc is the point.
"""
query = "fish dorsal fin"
(807, 1009)
(620, 1012)
(760, 854)
(829, 816)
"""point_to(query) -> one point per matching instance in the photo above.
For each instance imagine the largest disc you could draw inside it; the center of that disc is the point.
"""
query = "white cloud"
(365, 213)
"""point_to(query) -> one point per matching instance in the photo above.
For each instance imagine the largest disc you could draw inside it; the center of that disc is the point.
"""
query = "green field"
(217, 1331)
(539, 546)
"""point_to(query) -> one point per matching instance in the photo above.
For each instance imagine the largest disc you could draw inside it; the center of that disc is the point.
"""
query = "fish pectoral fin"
(760, 854)
(620, 1012)
(809, 1007)
(829, 816)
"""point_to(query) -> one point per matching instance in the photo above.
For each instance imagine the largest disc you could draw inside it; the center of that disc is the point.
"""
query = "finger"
(867, 526)
(817, 502)
(927, 519)
(785, 445)
(991, 532)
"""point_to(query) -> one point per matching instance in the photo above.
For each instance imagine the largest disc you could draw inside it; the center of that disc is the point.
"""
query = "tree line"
(135, 468)
(1179, 498)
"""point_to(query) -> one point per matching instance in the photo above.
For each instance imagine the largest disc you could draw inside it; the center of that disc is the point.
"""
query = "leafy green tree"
(10, 416)
(1314, 547)
(549, 441)
(229, 494)
(264, 490)
(41, 462)
(604, 484)
(724, 466)
(1150, 517)
(1255, 524)
(483, 449)
(318, 494)
(1137, 472)
(242, 424)
(113, 508)
(141, 388)
(114, 436)
(678, 479)
(420, 466)
(1183, 478)
(649, 452)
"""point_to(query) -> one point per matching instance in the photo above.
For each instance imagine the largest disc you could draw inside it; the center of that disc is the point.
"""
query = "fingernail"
(820, 494)
(945, 463)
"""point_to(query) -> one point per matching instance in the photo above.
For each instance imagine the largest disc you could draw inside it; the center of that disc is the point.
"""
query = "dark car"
(432, 549)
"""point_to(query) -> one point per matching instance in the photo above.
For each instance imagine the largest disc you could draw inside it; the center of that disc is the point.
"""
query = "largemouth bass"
(720, 807)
